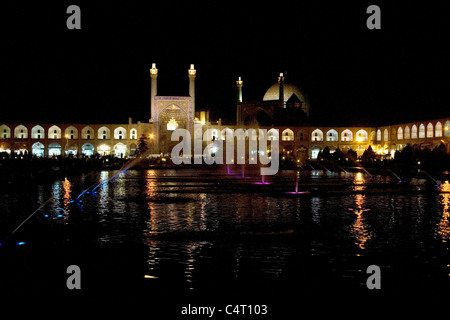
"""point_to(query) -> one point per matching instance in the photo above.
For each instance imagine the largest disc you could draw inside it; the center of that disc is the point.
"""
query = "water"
(166, 233)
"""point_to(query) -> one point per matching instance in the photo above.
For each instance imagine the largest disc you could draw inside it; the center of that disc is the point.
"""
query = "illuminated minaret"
(153, 92)
(239, 84)
(192, 72)
(281, 91)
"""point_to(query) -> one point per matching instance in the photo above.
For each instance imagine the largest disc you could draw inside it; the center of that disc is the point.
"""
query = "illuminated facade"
(283, 107)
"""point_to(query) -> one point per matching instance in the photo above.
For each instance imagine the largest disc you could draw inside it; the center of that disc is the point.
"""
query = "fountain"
(262, 181)
(437, 184)
(399, 179)
(296, 192)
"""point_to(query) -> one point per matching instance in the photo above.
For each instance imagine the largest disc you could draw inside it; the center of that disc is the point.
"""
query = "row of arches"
(55, 132)
(55, 149)
(288, 135)
(416, 132)
(345, 135)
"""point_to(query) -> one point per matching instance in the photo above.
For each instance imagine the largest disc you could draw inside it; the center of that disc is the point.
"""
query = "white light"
(172, 124)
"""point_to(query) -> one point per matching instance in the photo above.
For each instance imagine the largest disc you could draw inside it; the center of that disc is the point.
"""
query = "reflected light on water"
(359, 227)
(150, 191)
(358, 181)
(67, 187)
(444, 223)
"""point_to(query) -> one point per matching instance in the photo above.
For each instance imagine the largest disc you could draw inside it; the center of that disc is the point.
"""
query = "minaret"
(281, 91)
(239, 84)
(192, 72)
(153, 92)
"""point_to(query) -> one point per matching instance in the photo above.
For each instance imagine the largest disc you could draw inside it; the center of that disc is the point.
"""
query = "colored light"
(20, 243)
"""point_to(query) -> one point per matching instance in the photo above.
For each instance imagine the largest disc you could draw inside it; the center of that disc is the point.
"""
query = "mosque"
(283, 107)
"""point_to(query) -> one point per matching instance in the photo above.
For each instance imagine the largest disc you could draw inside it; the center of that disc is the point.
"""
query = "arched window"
(347, 135)
(332, 135)
(87, 133)
(421, 131)
(386, 135)
(103, 134)
(287, 135)
(429, 130)
(399, 133)
(447, 129)
(273, 134)
(407, 134)
(361, 135)
(71, 132)
(119, 133)
(21, 132)
(317, 135)
(54, 132)
(379, 135)
(438, 130)
(5, 131)
(414, 132)
(37, 132)
(133, 134)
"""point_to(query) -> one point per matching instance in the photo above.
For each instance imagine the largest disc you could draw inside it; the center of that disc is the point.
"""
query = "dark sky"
(99, 74)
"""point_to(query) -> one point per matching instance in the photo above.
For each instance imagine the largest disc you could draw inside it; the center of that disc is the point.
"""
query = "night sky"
(99, 74)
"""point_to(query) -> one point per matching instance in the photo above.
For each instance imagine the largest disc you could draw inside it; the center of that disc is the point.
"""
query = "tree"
(337, 155)
(325, 153)
(368, 154)
(351, 154)
(142, 146)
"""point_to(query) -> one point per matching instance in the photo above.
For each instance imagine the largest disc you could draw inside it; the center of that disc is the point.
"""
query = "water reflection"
(359, 228)
(358, 182)
(199, 229)
(444, 223)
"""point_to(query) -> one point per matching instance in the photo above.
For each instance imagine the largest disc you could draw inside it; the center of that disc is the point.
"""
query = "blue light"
(46, 215)
(20, 243)
(59, 215)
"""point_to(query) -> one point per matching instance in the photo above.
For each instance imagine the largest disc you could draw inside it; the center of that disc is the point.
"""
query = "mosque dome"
(290, 90)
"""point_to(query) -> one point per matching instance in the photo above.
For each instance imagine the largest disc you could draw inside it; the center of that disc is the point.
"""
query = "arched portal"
(54, 149)
(170, 118)
(87, 149)
(120, 150)
(37, 149)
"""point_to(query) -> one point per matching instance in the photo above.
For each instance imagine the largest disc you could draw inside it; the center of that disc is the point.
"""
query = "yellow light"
(446, 128)
(67, 136)
(151, 136)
